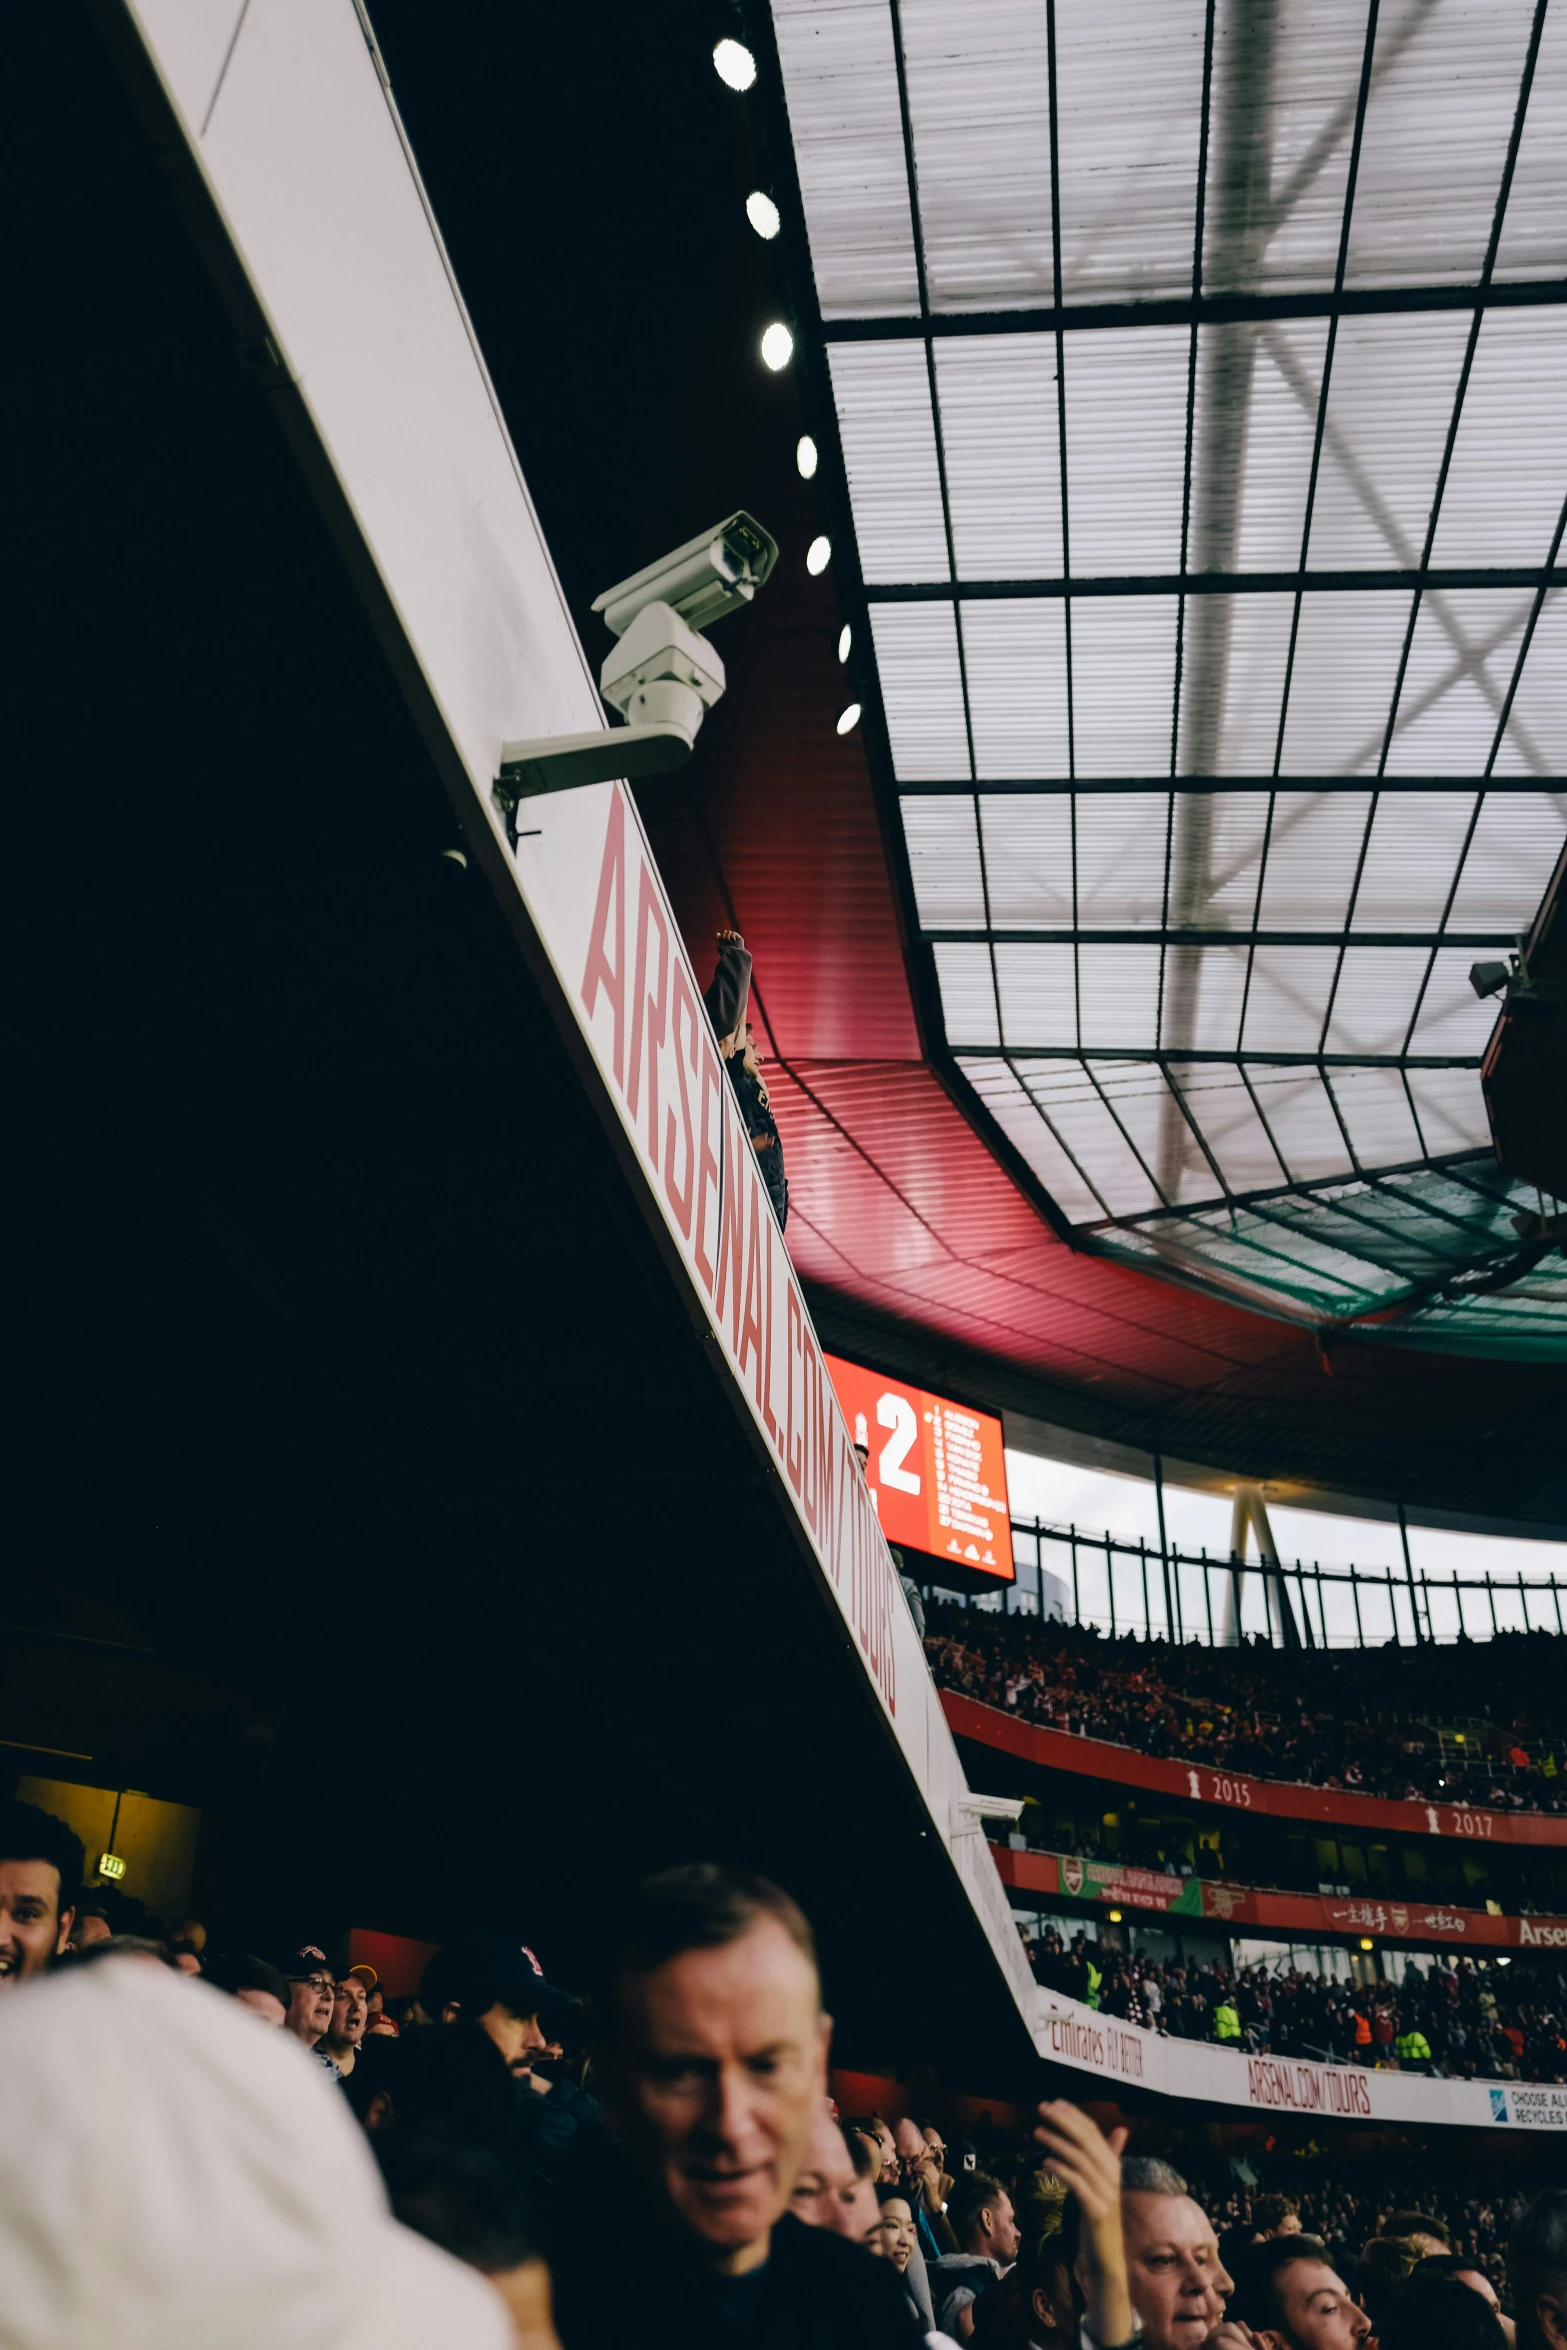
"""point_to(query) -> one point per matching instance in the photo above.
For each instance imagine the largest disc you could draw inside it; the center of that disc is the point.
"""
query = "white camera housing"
(663, 676)
(714, 573)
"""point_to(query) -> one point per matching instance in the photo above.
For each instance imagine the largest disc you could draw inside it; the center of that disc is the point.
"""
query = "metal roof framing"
(1210, 1093)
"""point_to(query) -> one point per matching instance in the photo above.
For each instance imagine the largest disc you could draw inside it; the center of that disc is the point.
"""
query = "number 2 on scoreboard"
(893, 1412)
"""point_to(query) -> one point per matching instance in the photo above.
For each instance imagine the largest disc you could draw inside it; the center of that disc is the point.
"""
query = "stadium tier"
(582, 1112)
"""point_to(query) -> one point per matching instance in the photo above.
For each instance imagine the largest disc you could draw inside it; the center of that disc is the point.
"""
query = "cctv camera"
(663, 676)
(712, 574)
(1489, 978)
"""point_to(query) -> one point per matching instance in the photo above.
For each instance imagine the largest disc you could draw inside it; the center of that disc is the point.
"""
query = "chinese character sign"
(936, 1470)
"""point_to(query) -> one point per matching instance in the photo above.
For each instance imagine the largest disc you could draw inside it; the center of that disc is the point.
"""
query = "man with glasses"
(312, 1989)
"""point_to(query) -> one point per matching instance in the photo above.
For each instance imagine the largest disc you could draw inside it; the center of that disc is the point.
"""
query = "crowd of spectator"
(1456, 2022)
(252, 2152)
(1391, 1721)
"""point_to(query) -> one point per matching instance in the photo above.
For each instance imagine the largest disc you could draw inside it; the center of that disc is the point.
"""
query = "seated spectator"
(921, 2155)
(825, 2190)
(1289, 2295)
(1275, 2215)
(982, 2219)
(473, 2202)
(713, 2052)
(1537, 2272)
(1471, 2276)
(1439, 2314)
(40, 1884)
(312, 1987)
(1420, 2229)
(254, 1982)
(220, 2196)
(495, 1985)
(345, 2032)
(1177, 2282)
(1385, 2267)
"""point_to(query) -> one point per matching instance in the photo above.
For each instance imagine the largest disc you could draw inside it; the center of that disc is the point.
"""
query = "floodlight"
(845, 640)
(763, 214)
(1114, 1916)
(805, 457)
(777, 346)
(734, 64)
(849, 719)
(817, 556)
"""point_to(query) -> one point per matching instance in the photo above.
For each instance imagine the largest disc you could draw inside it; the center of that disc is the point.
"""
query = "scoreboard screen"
(937, 1471)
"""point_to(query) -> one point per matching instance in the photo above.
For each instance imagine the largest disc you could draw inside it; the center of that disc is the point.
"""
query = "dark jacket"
(725, 1001)
(620, 2278)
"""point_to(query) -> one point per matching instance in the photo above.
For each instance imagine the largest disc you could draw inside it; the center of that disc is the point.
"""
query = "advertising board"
(1302, 1916)
(937, 1471)
(1130, 2057)
(1199, 1782)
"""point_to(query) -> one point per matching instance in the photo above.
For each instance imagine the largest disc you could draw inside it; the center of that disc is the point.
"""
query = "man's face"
(516, 2036)
(1001, 2230)
(310, 2005)
(1178, 2286)
(350, 2013)
(721, 2063)
(32, 1927)
(826, 2193)
(1318, 2308)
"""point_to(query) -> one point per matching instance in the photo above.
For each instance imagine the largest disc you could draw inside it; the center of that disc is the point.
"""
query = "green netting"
(1430, 1258)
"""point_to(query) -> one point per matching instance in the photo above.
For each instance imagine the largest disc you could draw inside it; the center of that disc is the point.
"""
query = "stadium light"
(734, 64)
(763, 214)
(777, 346)
(817, 556)
(805, 457)
(845, 640)
(849, 719)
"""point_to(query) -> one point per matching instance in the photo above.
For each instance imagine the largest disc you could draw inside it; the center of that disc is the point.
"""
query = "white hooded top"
(174, 2172)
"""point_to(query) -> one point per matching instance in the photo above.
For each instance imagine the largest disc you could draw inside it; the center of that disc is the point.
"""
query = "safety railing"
(1118, 1585)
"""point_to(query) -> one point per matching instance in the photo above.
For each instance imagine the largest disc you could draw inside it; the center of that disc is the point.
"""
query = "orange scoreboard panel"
(937, 1471)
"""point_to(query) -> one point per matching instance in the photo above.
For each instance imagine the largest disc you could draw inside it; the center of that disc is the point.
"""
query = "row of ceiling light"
(735, 66)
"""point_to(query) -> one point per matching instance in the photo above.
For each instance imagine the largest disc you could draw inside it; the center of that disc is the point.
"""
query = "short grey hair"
(1145, 2174)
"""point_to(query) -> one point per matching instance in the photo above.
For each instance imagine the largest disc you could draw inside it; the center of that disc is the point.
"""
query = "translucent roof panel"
(1003, 451)
(882, 395)
(1129, 100)
(1444, 94)
(1390, 403)
(1455, 686)
(1236, 658)
(922, 691)
(1123, 684)
(1532, 232)
(1285, 83)
(1224, 682)
(979, 108)
(1347, 656)
(841, 86)
(1508, 476)
(1016, 660)
(943, 845)
(1254, 431)
(1126, 449)
(1534, 741)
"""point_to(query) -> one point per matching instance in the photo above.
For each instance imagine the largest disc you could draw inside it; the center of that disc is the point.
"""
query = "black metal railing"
(1117, 1585)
